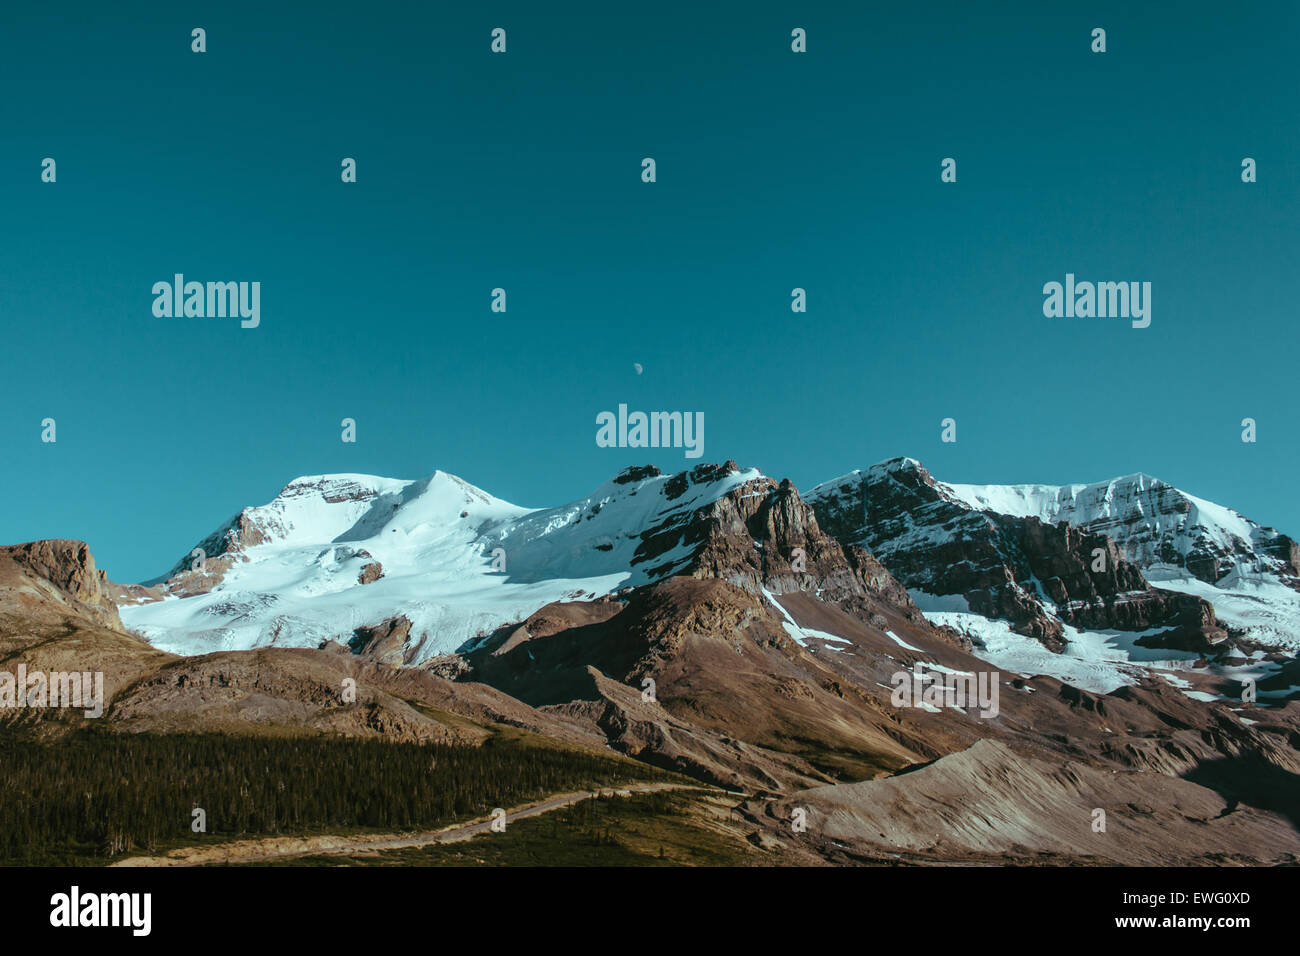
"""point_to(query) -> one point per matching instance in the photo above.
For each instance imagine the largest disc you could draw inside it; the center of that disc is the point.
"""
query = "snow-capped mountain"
(1163, 530)
(1004, 551)
(413, 570)
(1250, 573)
(334, 553)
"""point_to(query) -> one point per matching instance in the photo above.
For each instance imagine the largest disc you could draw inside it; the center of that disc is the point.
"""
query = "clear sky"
(775, 170)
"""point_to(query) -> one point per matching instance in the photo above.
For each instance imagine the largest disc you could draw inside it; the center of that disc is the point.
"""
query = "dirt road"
(277, 848)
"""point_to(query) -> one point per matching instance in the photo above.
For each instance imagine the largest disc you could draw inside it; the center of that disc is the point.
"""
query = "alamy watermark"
(653, 430)
(935, 689)
(1102, 300)
(75, 908)
(83, 690)
(211, 300)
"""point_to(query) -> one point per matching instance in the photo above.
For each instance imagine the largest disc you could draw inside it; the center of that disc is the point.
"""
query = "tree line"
(95, 795)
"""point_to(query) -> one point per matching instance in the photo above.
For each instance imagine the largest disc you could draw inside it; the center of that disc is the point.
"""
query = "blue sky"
(522, 171)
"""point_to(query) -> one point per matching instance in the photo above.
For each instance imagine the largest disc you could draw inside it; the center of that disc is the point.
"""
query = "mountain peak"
(334, 552)
(924, 530)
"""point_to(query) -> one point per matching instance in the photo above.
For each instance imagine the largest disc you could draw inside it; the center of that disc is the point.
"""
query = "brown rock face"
(56, 616)
(696, 675)
(384, 642)
(1089, 583)
(249, 692)
(239, 533)
(70, 567)
(1286, 552)
(636, 473)
(370, 573)
(763, 535)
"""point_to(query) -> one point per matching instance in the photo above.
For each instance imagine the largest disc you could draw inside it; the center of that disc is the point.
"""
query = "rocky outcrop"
(56, 616)
(70, 567)
(448, 667)
(384, 642)
(261, 691)
(370, 573)
(763, 535)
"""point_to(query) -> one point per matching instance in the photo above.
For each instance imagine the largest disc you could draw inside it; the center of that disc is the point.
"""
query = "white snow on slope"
(1160, 528)
(435, 538)
(799, 633)
(902, 643)
(1150, 520)
(1096, 661)
(1119, 499)
(1267, 610)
